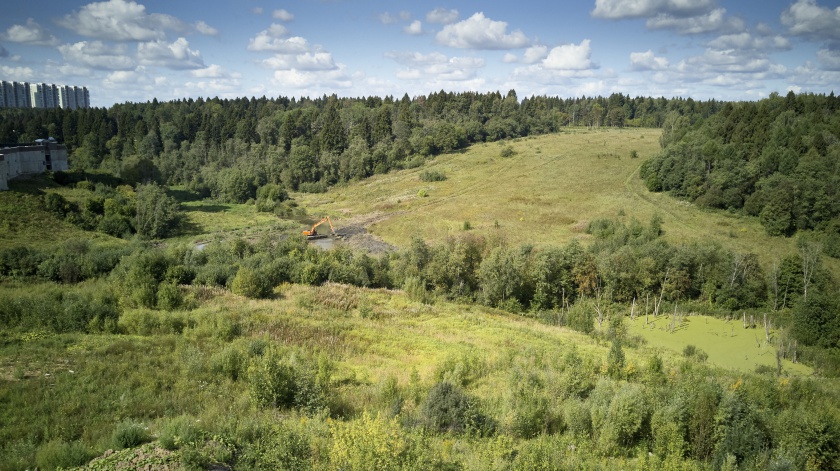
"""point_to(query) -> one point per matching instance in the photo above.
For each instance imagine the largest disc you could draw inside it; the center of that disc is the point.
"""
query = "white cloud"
(21, 74)
(98, 55)
(120, 20)
(728, 61)
(746, 41)
(436, 66)
(206, 29)
(619, 9)
(313, 82)
(274, 39)
(176, 55)
(829, 59)
(121, 78)
(647, 61)
(713, 21)
(405, 15)
(442, 16)
(415, 28)
(806, 18)
(509, 58)
(570, 57)
(31, 33)
(282, 15)
(211, 71)
(387, 18)
(535, 54)
(480, 32)
(66, 70)
(257, 10)
(307, 61)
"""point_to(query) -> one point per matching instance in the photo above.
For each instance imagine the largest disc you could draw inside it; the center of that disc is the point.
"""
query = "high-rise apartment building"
(42, 95)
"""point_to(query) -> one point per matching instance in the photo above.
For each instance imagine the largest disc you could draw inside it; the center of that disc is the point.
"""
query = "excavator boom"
(313, 234)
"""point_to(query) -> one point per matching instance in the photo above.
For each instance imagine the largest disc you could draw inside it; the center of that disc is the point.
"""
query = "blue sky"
(135, 51)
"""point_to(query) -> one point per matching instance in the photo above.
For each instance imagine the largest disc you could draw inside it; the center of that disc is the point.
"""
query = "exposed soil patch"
(356, 236)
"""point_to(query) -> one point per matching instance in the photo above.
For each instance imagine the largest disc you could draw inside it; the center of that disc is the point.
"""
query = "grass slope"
(546, 193)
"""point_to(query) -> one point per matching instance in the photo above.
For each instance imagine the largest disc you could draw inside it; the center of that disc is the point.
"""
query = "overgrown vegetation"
(264, 352)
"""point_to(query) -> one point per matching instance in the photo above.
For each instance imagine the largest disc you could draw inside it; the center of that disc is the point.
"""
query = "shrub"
(507, 151)
(634, 154)
(60, 454)
(448, 409)
(415, 288)
(129, 434)
(251, 284)
(432, 176)
(422, 193)
(275, 382)
(369, 443)
(169, 296)
(179, 431)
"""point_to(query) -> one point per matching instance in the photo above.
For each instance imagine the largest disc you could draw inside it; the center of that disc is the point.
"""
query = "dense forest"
(778, 159)
(229, 148)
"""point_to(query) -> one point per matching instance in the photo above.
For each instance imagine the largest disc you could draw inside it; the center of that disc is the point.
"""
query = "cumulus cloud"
(176, 55)
(211, 71)
(620, 9)
(31, 33)
(282, 15)
(713, 21)
(307, 61)
(436, 66)
(535, 54)
(806, 18)
(509, 58)
(829, 59)
(442, 16)
(647, 61)
(97, 55)
(206, 29)
(415, 28)
(747, 41)
(22, 74)
(120, 20)
(728, 61)
(314, 82)
(275, 39)
(570, 57)
(121, 78)
(480, 32)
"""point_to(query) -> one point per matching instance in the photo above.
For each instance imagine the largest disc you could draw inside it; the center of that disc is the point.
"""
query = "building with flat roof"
(42, 95)
(44, 155)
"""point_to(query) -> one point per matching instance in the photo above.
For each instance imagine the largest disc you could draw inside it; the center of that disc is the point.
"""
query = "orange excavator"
(313, 234)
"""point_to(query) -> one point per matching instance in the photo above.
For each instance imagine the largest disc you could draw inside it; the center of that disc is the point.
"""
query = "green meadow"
(544, 194)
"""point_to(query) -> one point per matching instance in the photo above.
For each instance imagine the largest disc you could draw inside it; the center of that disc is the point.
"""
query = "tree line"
(229, 148)
(776, 159)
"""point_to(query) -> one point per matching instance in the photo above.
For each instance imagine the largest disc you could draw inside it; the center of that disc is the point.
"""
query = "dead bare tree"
(598, 309)
(775, 273)
(633, 309)
(658, 304)
(766, 328)
(810, 251)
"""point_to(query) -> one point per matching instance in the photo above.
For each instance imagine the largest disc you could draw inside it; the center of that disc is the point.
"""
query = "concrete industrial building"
(42, 95)
(45, 155)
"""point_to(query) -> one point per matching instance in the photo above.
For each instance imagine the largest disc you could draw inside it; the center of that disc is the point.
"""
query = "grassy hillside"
(544, 194)
(192, 377)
